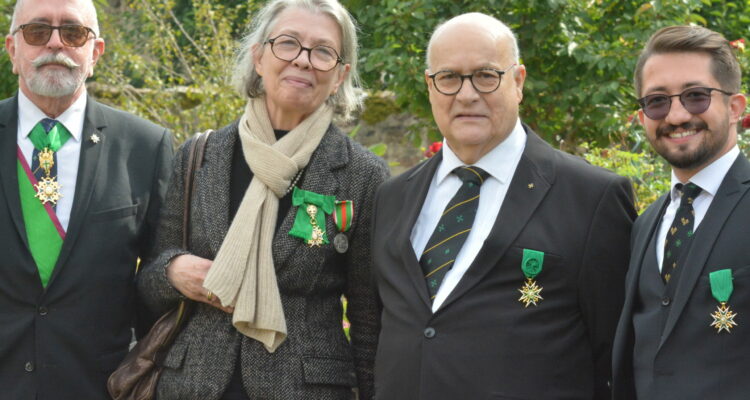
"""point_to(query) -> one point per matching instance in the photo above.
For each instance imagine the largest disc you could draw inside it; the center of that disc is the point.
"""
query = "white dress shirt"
(709, 179)
(68, 155)
(500, 163)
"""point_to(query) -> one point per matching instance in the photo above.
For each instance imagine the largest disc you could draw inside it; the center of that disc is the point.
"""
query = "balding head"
(490, 25)
(86, 8)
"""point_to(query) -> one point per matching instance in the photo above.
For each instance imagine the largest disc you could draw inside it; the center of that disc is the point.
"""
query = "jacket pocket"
(329, 371)
(114, 213)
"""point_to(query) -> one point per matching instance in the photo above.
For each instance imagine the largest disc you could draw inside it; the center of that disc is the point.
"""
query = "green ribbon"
(532, 262)
(721, 285)
(53, 140)
(302, 227)
(343, 215)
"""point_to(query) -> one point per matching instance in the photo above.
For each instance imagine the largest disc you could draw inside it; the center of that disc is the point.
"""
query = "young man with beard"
(80, 190)
(684, 332)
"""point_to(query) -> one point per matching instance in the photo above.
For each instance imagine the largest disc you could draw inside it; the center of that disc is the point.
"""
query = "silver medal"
(341, 243)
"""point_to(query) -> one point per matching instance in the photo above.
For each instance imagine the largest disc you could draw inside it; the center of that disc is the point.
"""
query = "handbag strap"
(195, 161)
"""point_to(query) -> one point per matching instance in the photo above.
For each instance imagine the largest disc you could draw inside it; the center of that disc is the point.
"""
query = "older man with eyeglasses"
(683, 333)
(500, 261)
(80, 189)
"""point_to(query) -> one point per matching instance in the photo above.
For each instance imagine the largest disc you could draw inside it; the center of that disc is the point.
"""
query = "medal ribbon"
(43, 229)
(721, 285)
(531, 265)
(302, 227)
(53, 140)
(344, 215)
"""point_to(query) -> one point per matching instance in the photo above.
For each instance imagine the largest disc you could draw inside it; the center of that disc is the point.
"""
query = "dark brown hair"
(693, 39)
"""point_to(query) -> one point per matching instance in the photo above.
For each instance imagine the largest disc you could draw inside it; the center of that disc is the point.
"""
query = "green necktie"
(452, 229)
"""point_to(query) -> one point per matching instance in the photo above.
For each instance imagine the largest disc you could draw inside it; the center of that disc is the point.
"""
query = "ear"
(257, 54)
(519, 76)
(427, 79)
(737, 105)
(96, 53)
(342, 74)
(641, 117)
(10, 47)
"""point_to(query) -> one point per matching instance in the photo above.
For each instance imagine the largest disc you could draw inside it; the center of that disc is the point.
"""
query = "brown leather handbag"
(138, 374)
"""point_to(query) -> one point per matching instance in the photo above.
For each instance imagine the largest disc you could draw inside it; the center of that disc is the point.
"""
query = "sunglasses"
(696, 100)
(38, 34)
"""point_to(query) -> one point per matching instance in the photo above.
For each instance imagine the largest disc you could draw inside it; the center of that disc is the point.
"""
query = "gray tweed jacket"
(316, 361)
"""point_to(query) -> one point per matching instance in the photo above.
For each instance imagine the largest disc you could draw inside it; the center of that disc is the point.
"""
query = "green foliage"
(648, 172)
(377, 108)
(8, 81)
(579, 54)
(173, 71)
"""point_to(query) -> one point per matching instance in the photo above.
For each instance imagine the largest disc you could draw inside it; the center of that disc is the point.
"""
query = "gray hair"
(247, 81)
(89, 4)
(491, 23)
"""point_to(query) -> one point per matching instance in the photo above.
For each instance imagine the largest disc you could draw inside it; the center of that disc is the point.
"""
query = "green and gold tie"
(681, 232)
(452, 229)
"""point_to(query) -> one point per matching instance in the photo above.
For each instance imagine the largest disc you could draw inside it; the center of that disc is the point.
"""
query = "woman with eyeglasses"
(279, 227)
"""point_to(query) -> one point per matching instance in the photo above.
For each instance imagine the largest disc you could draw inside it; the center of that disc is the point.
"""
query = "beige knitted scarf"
(243, 273)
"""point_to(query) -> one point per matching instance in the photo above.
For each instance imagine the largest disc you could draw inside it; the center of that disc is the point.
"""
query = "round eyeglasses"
(288, 48)
(38, 34)
(484, 80)
(696, 100)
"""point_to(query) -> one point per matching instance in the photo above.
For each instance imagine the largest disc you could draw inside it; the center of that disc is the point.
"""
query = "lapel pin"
(531, 186)
(94, 138)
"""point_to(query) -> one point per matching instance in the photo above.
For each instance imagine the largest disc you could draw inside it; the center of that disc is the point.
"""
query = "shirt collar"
(72, 118)
(709, 178)
(498, 162)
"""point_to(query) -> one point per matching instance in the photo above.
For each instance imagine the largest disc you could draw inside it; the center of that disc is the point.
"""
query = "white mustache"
(57, 58)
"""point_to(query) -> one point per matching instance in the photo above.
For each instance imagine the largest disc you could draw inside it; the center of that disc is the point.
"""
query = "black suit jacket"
(693, 361)
(483, 343)
(63, 342)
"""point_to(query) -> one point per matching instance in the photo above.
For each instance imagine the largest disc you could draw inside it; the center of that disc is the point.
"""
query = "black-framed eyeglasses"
(38, 34)
(696, 100)
(288, 48)
(484, 80)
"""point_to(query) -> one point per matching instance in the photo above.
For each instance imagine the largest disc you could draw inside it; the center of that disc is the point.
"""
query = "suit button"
(29, 367)
(429, 333)
(665, 301)
(42, 310)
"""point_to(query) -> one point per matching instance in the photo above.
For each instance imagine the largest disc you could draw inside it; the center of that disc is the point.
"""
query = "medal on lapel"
(47, 189)
(342, 217)
(310, 221)
(721, 289)
(531, 265)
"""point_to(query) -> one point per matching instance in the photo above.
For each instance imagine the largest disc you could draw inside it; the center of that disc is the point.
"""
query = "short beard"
(712, 144)
(55, 83)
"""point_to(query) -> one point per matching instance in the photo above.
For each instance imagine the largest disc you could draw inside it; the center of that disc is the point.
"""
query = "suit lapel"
(8, 164)
(320, 176)
(730, 192)
(650, 221)
(534, 176)
(210, 201)
(414, 192)
(88, 167)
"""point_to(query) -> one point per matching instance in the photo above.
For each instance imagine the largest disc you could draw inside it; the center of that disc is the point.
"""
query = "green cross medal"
(531, 265)
(721, 289)
(310, 221)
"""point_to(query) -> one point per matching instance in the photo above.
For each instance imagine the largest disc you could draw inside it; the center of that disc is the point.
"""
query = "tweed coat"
(316, 361)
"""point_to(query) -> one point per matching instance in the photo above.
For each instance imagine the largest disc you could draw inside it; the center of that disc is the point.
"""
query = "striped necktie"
(452, 229)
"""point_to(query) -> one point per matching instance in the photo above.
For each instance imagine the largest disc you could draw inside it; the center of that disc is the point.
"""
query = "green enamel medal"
(531, 265)
(721, 289)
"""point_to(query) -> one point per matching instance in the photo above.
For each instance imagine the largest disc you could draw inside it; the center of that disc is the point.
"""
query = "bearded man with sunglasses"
(80, 189)
(684, 330)
(500, 261)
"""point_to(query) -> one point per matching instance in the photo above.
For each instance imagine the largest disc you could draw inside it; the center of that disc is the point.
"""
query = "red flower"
(433, 149)
(746, 121)
(738, 44)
